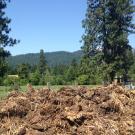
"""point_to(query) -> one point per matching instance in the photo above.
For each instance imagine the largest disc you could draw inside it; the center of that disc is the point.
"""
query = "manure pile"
(102, 111)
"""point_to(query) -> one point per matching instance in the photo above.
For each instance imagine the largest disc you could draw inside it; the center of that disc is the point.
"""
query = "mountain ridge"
(53, 58)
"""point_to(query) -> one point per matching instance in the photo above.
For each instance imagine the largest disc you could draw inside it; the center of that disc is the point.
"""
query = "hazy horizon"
(45, 52)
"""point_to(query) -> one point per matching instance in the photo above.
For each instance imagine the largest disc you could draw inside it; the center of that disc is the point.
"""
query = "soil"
(106, 110)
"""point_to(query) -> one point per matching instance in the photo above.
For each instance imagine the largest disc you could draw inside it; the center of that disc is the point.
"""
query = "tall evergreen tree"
(42, 63)
(118, 52)
(72, 72)
(107, 26)
(5, 40)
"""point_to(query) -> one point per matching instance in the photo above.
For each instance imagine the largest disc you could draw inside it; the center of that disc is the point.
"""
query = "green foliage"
(23, 71)
(23, 82)
(5, 39)
(34, 78)
(72, 71)
(42, 81)
(132, 68)
(59, 80)
(3, 67)
(42, 67)
(11, 81)
(48, 77)
(1, 81)
(132, 72)
(83, 80)
(92, 68)
(52, 58)
(107, 26)
(42, 63)
(106, 49)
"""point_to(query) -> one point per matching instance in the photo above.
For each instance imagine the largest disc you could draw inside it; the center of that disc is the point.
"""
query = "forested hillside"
(53, 58)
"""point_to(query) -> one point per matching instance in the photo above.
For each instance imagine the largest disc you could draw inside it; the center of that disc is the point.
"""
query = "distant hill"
(53, 58)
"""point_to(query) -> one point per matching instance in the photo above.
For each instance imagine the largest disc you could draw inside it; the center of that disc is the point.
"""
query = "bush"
(10, 81)
(34, 78)
(59, 80)
(1, 81)
(23, 81)
(83, 80)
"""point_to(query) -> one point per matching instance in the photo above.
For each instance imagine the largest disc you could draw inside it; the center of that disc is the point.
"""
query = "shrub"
(34, 78)
(83, 80)
(10, 81)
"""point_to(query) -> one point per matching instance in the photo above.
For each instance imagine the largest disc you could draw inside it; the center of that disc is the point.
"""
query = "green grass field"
(4, 90)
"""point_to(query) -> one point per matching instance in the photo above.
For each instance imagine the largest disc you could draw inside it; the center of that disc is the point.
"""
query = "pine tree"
(107, 26)
(72, 72)
(42, 63)
(118, 52)
(92, 40)
(5, 40)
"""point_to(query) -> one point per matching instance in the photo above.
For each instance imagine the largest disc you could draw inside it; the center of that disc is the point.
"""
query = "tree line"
(41, 74)
(53, 58)
(71, 74)
(107, 53)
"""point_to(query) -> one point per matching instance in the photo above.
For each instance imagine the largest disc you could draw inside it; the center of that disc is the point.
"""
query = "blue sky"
(52, 25)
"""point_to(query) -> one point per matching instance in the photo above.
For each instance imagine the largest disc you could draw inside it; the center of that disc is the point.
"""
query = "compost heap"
(102, 111)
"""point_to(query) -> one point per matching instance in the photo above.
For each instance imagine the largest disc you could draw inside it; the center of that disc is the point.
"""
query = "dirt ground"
(102, 111)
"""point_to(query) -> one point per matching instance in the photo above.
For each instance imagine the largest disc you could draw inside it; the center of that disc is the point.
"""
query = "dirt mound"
(101, 111)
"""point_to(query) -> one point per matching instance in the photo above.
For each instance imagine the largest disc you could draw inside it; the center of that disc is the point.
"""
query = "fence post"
(48, 85)
(76, 84)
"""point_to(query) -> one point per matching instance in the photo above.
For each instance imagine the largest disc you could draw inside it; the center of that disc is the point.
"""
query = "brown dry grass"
(102, 111)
